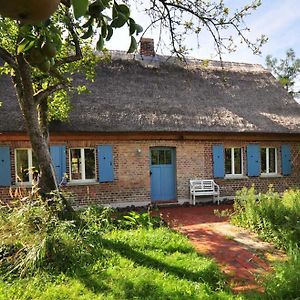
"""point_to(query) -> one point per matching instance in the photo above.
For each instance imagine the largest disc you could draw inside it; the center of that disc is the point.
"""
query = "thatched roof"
(152, 95)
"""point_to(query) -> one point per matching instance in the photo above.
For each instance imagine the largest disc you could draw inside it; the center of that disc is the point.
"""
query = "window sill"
(270, 175)
(232, 177)
(23, 184)
(74, 183)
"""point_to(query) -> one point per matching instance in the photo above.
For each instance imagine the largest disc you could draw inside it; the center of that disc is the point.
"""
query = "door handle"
(150, 173)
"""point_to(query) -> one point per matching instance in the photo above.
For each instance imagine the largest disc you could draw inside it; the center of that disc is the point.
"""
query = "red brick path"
(204, 229)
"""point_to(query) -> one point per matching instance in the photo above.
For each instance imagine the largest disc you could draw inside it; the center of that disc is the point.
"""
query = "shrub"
(276, 218)
(285, 282)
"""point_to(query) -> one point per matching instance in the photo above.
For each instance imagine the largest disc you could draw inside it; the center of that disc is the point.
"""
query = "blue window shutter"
(58, 155)
(253, 160)
(218, 161)
(286, 166)
(5, 174)
(105, 163)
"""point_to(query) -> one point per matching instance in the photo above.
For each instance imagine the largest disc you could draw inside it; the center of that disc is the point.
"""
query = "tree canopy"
(286, 70)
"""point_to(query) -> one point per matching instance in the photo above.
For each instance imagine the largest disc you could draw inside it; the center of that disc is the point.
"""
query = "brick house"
(150, 125)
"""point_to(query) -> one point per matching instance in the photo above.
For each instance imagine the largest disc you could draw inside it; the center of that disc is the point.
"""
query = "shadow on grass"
(147, 290)
(209, 276)
(93, 282)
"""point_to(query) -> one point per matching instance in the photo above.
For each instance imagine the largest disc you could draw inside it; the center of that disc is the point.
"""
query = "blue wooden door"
(163, 174)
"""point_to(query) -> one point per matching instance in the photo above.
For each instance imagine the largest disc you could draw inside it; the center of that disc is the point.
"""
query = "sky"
(279, 20)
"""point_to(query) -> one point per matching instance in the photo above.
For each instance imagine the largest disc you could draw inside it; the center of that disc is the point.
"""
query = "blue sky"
(279, 20)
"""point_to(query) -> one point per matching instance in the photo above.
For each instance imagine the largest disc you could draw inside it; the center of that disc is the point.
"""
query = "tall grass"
(276, 218)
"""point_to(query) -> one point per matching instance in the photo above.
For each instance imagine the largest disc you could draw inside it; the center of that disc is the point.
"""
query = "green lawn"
(128, 264)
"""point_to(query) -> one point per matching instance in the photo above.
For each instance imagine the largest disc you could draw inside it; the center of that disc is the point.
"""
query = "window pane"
(168, 157)
(75, 164)
(154, 157)
(35, 167)
(228, 161)
(90, 172)
(238, 161)
(263, 160)
(22, 165)
(162, 157)
(272, 160)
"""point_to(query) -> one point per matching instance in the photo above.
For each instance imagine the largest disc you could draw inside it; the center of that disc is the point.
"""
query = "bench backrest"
(205, 185)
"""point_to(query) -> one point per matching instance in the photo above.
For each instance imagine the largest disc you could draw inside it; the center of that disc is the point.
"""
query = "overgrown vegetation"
(104, 255)
(276, 218)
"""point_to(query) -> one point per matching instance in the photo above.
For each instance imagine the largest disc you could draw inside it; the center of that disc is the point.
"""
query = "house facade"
(149, 125)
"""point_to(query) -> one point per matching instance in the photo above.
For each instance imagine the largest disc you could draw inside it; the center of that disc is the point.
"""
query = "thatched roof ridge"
(188, 62)
(145, 94)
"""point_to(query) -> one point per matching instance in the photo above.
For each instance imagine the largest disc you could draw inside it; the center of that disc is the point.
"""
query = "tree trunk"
(37, 135)
(40, 147)
(35, 116)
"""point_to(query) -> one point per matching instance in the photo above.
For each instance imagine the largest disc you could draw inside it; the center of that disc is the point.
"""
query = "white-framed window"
(82, 162)
(233, 161)
(268, 160)
(26, 166)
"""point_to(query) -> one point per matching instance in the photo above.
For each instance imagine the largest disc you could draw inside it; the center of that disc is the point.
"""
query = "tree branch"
(39, 96)
(78, 54)
(7, 57)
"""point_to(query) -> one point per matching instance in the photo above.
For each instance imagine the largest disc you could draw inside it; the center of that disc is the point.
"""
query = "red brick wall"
(193, 160)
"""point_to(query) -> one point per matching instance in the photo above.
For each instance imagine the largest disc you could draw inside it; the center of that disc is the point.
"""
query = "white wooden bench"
(204, 187)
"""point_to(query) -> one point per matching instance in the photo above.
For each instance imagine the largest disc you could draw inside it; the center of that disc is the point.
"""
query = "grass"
(133, 257)
(132, 264)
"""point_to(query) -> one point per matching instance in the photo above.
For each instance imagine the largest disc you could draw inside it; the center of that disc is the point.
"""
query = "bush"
(285, 282)
(32, 235)
(275, 218)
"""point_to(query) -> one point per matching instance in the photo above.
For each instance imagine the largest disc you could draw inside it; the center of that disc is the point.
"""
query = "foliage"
(286, 70)
(285, 281)
(276, 218)
(95, 259)
(31, 234)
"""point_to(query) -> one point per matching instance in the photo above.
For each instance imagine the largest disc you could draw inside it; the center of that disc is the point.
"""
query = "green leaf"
(124, 9)
(133, 45)
(80, 7)
(100, 43)
(115, 11)
(104, 29)
(29, 46)
(119, 21)
(88, 34)
(110, 32)
(21, 46)
(88, 23)
(138, 28)
(131, 26)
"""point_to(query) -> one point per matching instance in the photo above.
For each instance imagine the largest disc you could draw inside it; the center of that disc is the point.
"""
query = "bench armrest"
(217, 187)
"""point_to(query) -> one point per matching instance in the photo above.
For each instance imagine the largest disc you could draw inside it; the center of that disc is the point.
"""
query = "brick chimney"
(147, 47)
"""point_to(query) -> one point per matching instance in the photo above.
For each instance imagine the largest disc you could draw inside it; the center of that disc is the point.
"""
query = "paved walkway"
(240, 254)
